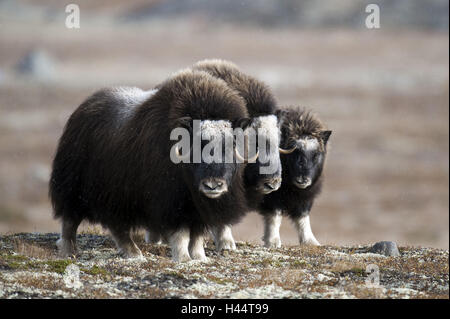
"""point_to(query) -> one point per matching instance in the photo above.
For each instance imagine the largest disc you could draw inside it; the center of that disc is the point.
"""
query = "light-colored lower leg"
(272, 225)
(223, 238)
(152, 237)
(196, 247)
(127, 247)
(305, 234)
(67, 242)
(179, 243)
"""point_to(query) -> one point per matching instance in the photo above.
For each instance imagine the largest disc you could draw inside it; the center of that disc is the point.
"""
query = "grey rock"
(387, 248)
(37, 64)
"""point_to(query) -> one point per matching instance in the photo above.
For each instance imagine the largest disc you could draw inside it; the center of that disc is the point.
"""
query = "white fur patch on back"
(309, 143)
(132, 96)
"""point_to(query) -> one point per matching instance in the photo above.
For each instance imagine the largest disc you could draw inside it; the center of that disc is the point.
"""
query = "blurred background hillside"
(383, 92)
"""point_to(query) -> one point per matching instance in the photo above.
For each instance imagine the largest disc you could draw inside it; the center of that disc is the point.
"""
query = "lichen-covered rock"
(387, 248)
(30, 268)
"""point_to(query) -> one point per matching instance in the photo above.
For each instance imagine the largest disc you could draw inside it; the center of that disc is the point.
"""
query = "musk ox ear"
(185, 121)
(243, 123)
(325, 135)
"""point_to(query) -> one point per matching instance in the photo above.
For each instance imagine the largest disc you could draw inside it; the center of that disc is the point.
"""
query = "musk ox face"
(304, 159)
(265, 174)
(209, 167)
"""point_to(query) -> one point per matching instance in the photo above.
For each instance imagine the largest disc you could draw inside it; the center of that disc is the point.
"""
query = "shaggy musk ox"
(112, 165)
(304, 140)
(261, 106)
(303, 150)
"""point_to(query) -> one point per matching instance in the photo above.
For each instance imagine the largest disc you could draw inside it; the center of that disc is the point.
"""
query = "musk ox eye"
(302, 160)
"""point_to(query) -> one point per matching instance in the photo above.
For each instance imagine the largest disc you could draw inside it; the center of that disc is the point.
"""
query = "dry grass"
(41, 282)
(33, 250)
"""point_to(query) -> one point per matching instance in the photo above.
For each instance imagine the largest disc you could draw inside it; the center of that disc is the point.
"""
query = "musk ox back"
(258, 97)
(113, 165)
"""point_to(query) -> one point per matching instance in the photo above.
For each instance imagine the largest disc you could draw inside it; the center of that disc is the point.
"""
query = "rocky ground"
(30, 268)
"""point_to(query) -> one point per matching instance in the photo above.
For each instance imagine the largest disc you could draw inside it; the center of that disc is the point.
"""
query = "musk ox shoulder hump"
(216, 67)
(258, 96)
(201, 96)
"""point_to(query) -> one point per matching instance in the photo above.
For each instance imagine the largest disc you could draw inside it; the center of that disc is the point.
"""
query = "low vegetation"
(30, 268)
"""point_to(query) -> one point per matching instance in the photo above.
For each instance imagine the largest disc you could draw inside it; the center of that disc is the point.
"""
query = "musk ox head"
(264, 175)
(210, 161)
(303, 147)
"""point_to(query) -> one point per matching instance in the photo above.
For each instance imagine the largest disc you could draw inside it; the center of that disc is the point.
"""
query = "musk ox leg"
(179, 244)
(126, 246)
(152, 237)
(223, 238)
(272, 223)
(67, 243)
(196, 247)
(305, 234)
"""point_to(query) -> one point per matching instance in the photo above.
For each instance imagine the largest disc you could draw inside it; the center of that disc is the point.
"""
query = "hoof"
(151, 238)
(131, 253)
(66, 248)
(226, 244)
(181, 258)
(274, 242)
(200, 258)
(310, 242)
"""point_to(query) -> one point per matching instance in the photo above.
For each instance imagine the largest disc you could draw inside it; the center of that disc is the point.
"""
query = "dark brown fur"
(112, 165)
(259, 101)
(257, 95)
(295, 202)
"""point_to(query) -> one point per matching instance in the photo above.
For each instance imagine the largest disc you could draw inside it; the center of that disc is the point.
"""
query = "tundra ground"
(30, 268)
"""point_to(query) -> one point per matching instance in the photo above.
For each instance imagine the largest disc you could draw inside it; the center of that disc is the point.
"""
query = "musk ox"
(262, 107)
(304, 143)
(295, 197)
(113, 167)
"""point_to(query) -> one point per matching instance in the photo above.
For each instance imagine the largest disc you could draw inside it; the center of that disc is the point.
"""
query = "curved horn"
(245, 159)
(289, 151)
(238, 156)
(253, 159)
(178, 153)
